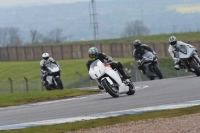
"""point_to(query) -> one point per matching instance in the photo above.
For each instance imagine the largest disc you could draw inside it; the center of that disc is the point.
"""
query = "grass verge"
(62, 128)
(33, 97)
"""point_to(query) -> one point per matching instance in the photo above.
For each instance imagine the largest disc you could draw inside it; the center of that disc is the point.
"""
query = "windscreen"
(183, 49)
(94, 64)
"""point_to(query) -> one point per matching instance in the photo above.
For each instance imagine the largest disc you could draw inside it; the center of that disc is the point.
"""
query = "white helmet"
(173, 41)
(45, 56)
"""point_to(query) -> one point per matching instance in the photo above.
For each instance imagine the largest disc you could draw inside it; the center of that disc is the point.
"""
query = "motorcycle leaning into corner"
(110, 79)
(150, 64)
(188, 60)
(53, 77)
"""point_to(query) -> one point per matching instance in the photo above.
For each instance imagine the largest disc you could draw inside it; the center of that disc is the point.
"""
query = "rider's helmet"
(45, 56)
(137, 43)
(93, 53)
(173, 41)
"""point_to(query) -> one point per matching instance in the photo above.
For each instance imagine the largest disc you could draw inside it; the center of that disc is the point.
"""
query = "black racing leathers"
(139, 52)
(115, 65)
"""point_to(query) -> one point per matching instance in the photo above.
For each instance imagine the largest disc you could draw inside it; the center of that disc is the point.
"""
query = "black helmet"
(93, 53)
(173, 41)
(137, 43)
(45, 56)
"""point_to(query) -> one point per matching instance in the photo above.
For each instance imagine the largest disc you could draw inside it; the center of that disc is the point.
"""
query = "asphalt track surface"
(159, 92)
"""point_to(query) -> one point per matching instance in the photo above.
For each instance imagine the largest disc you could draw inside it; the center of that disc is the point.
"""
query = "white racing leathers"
(173, 51)
(43, 64)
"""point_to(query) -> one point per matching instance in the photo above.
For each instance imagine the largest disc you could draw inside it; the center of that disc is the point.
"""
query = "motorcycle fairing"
(189, 52)
(97, 69)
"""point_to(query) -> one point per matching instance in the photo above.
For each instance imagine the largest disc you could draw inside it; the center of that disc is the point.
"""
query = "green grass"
(33, 97)
(162, 38)
(61, 128)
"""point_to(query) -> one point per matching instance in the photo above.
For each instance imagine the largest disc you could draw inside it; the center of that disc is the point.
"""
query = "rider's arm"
(171, 52)
(106, 57)
(88, 64)
(135, 55)
(53, 61)
(147, 48)
(182, 43)
(42, 67)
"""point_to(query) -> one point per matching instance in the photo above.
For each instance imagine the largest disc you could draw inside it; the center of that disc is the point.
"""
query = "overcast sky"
(8, 3)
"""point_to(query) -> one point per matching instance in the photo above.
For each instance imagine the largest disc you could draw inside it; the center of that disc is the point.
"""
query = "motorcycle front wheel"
(112, 91)
(157, 71)
(48, 88)
(59, 83)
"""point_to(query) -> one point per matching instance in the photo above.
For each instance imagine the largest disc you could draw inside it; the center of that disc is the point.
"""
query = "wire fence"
(82, 82)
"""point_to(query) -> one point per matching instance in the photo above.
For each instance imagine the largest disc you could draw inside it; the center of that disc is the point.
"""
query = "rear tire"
(194, 65)
(131, 89)
(109, 89)
(157, 71)
(151, 78)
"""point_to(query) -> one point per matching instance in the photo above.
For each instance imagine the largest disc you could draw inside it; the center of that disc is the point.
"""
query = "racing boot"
(141, 68)
(101, 88)
(124, 75)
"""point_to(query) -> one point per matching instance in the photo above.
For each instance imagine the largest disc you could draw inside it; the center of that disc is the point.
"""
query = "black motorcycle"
(149, 63)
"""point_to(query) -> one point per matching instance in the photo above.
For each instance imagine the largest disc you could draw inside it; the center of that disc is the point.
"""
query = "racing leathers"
(114, 64)
(173, 51)
(43, 69)
(139, 52)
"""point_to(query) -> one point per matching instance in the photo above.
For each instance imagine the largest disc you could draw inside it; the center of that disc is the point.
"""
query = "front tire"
(59, 83)
(109, 89)
(48, 88)
(194, 65)
(157, 71)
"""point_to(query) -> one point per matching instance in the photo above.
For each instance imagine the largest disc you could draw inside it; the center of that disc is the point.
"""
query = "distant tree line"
(135, 28)
(10, 36)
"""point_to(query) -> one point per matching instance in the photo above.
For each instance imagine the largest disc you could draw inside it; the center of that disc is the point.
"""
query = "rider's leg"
(119, 67)
(140, 67)
(44, 79)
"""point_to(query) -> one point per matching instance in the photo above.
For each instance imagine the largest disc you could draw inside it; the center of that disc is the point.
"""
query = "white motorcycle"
(110, 79)
(53, 77)
(186, 54)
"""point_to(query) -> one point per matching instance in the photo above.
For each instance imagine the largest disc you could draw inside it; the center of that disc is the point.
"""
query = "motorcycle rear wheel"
(131, 89)
(194, 65)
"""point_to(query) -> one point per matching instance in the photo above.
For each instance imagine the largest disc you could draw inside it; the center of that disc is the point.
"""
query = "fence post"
(42, 86)
(11, 86)
(137, 74)
(81, 79)
(26, 84)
